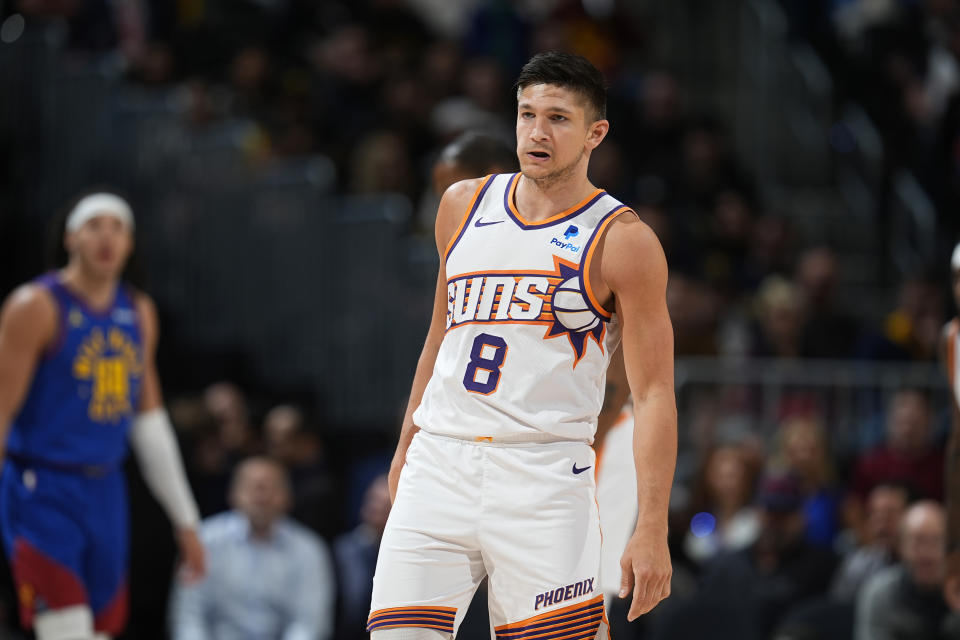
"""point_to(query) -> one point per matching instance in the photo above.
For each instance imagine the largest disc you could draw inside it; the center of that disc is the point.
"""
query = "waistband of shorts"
(88, 470)
(522, 439)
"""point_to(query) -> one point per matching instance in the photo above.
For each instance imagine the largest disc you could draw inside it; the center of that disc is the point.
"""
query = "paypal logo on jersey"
(571, 232)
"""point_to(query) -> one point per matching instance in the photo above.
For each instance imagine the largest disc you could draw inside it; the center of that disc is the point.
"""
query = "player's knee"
(409, 633)
(69, 623)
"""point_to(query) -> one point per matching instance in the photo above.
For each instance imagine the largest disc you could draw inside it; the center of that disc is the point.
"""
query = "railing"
(720, 397)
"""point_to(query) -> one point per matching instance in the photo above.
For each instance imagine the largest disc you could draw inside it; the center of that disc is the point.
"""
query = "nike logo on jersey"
(581, 470)
(480, 223)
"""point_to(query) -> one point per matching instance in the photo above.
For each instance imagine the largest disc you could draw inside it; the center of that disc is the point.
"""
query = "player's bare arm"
(28, 325)
(633, 271)
(450, 214)
(151, 400)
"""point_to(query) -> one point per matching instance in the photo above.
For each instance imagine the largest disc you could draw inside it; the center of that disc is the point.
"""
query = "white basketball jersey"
(527, 344)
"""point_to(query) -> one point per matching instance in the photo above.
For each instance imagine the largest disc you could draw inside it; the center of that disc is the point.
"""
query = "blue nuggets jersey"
(86, 388)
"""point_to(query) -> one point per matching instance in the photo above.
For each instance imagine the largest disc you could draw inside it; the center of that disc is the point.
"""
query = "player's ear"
(596, 132)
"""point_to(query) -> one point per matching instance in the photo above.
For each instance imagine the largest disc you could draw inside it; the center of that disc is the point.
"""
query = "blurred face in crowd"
(280, 428)
(817, 275)
(908, 423)
(922, 544)
(376, 505)
(781, 529)
(555, 133)
(885, 508)
(804, 448)
(727, 477)
(100, 247)
(225, 402)
(261, 492)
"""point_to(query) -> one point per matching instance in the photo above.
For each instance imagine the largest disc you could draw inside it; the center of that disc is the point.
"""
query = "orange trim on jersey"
(589, 258)
(511, 202)
(572, 632)
(584, 604)
(466, 217)
(414, 610)
(441, 618)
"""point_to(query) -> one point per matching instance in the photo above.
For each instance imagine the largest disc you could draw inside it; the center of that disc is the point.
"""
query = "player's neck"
(538, 201)
(97, 292)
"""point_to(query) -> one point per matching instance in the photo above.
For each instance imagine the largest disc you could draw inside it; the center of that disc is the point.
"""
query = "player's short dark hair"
(569, 71)
(480, 153)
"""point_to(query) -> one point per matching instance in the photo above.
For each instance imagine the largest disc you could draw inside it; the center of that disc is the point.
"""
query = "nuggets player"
(950, 357)
(541, 274)
(77, 383)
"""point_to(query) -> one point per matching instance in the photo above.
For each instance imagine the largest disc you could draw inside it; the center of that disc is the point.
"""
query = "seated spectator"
(886, 505)
(746, 593)
(908, 455)
(803, 452)
(355, 557)
(723, 517)
(906, 601)
(267, 577)
(290, 441)
(779, 317)
(830, 617)
(828, 331)
(224, 436)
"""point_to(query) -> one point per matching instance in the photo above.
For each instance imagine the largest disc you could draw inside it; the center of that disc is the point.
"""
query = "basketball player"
(950, 357)
(77, 382)
(540, 275)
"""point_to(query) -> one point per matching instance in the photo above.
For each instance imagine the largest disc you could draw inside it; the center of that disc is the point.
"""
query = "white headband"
(955, 260)
(99, 204)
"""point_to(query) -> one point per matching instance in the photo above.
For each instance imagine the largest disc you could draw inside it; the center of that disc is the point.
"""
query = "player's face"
(101, 246)
(555, 134)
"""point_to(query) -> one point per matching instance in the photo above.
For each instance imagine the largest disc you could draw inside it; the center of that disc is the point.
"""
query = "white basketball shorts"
(523, 514)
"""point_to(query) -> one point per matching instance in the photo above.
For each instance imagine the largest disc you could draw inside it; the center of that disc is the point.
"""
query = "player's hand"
(645, 571)
(193, 558)
(951, 584)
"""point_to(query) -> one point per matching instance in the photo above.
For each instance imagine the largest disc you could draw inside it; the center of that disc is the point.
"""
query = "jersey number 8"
(483, 370)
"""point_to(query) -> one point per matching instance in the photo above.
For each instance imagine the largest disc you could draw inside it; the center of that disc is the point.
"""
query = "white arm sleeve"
(155, 445)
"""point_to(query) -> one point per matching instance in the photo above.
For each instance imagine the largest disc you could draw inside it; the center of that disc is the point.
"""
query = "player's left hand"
(193, 559)
(646, 571)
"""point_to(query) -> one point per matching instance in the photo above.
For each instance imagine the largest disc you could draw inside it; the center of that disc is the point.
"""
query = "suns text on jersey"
(499, 297)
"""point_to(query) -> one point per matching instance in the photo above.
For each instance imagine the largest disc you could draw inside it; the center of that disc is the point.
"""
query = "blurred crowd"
(811, 542)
